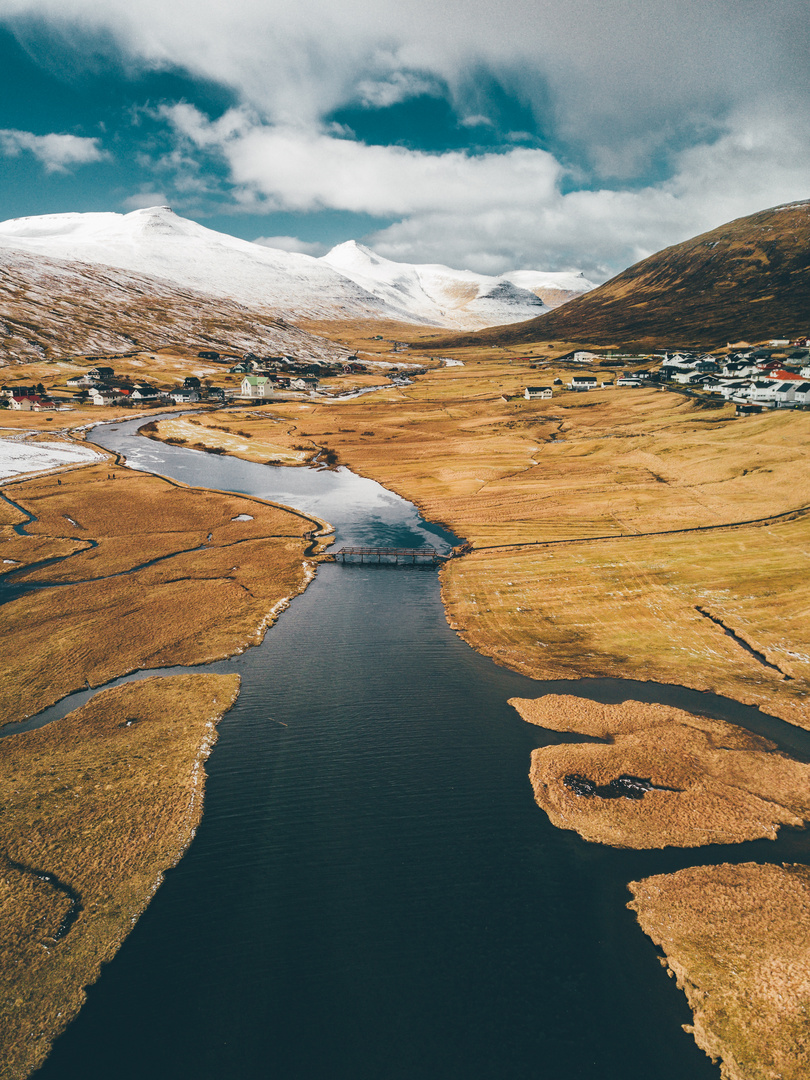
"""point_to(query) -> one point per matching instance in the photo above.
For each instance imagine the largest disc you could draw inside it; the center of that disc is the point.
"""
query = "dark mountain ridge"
(746, 280)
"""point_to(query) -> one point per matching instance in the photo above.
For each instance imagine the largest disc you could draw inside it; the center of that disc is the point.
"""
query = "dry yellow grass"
(173, 578)
(618, 464)
(96, 807)
(737, 938)
(719, 784)
(247, 433)
(632, 608)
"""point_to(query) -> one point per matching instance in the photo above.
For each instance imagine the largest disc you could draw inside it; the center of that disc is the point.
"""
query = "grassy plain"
(96, 807)
(737, 938)
(716, 783)
(161, 574)
(534, 486)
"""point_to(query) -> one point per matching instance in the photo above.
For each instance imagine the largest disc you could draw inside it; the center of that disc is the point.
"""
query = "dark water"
(372, 893)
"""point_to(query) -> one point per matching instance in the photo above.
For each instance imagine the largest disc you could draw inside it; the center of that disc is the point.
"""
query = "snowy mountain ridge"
(350, 282)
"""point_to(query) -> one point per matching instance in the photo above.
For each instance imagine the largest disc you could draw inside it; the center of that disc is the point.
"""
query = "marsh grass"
(113, 609)
(737, 938)
(719, 784)
(103, 802)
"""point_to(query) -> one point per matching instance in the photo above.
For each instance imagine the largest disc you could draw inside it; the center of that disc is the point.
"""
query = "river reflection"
(372, 893)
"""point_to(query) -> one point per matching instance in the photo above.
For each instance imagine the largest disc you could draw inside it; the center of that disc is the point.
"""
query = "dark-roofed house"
(584, 382)
(532, 392)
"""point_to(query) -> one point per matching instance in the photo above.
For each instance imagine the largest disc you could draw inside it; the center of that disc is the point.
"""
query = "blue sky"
(475, 133)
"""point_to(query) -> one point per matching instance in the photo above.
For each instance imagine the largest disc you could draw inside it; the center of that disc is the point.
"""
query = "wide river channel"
(372, 893)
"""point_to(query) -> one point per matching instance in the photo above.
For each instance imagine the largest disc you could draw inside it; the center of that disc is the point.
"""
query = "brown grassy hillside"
(747, 280)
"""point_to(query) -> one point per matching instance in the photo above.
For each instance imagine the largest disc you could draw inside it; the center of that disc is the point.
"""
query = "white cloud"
(602, 71)
(56, 152)
(292, 243)
(603, 231)
(302, 170)
(502, 211)
(398, 86)
(142, 199)
(698, 94)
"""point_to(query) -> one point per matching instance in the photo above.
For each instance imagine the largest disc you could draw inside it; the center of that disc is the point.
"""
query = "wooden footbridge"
(413, 555)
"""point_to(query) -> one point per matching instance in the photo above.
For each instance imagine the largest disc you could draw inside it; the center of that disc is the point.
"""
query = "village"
(263, 378)
(773, 376)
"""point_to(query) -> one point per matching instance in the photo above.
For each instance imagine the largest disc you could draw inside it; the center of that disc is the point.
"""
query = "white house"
(537, 392)
(582, 357)
(783, 394)
(256, 386)
(801, 393)
(108, 397)
(734, 388)
(583, 382)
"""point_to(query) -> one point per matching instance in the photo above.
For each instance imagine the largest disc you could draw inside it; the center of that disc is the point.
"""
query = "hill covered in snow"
(108, 264)
(446, 297)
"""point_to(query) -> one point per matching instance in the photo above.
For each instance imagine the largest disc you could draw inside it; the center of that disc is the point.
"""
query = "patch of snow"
(242, 517)
(18, 458)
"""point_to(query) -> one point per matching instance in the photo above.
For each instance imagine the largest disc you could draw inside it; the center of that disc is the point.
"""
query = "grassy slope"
(748, 279)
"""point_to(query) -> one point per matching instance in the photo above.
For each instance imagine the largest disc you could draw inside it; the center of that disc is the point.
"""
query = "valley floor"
(632, 533)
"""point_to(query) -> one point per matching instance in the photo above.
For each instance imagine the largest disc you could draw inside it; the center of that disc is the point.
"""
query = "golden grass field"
(737, 938)
(719, 783)
(531, 485)
(172, 578)
(103, 802)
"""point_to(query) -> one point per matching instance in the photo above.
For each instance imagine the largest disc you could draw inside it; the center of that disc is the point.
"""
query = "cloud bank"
(650, 120)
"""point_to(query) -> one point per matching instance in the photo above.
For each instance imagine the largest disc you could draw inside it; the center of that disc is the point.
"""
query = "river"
(372, 893)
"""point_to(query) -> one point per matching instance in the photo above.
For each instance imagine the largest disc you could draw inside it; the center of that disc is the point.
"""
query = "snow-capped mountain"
(351, 282)
(451, 297)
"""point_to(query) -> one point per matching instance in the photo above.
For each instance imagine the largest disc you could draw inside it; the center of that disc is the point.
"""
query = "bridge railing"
(389, 552)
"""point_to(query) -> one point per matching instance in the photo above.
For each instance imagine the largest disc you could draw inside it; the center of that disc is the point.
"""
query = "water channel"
(372, 893)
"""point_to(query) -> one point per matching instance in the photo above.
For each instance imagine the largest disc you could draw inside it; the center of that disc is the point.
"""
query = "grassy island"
(661, 777)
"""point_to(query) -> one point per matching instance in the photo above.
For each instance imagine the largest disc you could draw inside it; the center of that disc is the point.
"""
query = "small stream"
(372, 893)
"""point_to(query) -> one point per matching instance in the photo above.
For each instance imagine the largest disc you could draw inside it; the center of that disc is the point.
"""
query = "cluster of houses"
(27, 398)
(750, 377)
(98, 386)
(753, 378)
(266, 374)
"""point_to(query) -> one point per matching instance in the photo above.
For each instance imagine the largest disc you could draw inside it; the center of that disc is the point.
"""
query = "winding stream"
(372, 893)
